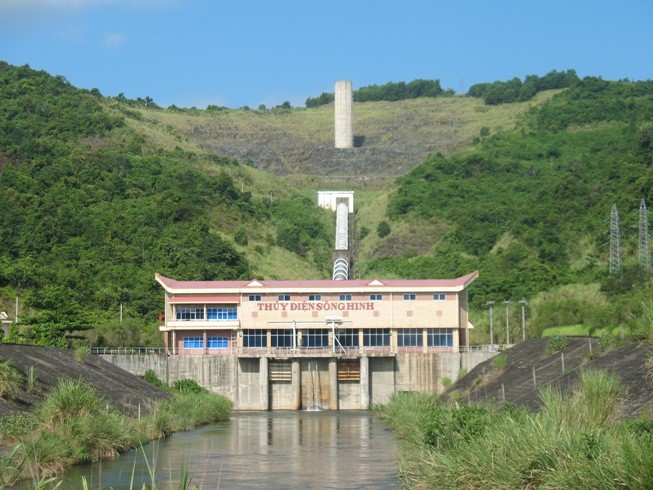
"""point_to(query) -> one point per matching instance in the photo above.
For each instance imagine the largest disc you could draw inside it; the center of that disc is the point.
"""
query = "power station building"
(315, 318)
(325, 344)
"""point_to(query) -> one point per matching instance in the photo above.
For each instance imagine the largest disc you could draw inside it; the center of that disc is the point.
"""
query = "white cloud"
(113, 40)
(27, 14)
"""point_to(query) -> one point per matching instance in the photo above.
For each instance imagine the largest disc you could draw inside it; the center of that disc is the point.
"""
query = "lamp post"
(490, 303)
(507, 303)
(523, 304)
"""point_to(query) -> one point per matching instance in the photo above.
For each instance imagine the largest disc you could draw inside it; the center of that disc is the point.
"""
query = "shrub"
(11, 381)
(500, 362)
(188, 386)
(446, 381)
(451, 424)
(82, 352)
(69, 401)
(240, 237)
(383, 229)
(556, 344)
(151, 377)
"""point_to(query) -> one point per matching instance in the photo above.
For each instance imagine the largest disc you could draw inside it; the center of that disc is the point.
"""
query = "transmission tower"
(615, 242)
(644, 238)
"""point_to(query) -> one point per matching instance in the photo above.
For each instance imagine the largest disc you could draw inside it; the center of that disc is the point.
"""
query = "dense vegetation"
(390, 92)
(517, 91)
(88, 216)
(529, 208)
(577, 440)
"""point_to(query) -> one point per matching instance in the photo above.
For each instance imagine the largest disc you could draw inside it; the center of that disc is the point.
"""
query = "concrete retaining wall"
(314, 382)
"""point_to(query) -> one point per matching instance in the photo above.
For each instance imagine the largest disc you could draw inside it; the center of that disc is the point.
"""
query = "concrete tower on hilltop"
(344, 114)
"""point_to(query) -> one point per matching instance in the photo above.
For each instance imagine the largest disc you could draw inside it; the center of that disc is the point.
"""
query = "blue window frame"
(283, 297)
(410, 337)
(440, 337)
(255, 297)
(217, 342)
(255, 338)
(315, 297)
(376, 337)
(193, 343)
(409, 297)
(348, 337)
(316, 338)
(222, 313)
(188, 313)
(439, 296)
(345, 297)
(281, 338)
(376, 297)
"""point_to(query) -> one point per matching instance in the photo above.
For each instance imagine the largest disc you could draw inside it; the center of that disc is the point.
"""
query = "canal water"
(279, 449)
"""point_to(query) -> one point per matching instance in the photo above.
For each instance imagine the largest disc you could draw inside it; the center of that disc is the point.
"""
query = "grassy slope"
(396, 136)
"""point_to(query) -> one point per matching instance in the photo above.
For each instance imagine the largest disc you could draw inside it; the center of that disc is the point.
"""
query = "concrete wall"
(314, 382)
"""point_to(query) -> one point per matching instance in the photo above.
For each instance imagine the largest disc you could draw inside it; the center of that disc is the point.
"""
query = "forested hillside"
(97, 194)
(87, 216)
(530, 208)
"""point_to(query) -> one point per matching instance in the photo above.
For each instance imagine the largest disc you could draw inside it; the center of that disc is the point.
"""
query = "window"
(347, 338)
(281, 338)
(217, 342)
(315, 338)
(439, 296)
(222, 313)
(440, 337)
(376, 337)
(190, 313)
(315, 297)
(255, 297)
(345, 297)
(193, 343)
(409, 297)
(409, 337)
(255, 338)
(283, 297)
(376, 297)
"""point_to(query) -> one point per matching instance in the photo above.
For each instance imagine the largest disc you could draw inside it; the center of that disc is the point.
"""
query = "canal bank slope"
(530, 366)
(126, 391)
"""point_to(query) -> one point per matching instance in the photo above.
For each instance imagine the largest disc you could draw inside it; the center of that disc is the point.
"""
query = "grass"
(577, 440)
(75, 425)
(11, 381)
(569, 330)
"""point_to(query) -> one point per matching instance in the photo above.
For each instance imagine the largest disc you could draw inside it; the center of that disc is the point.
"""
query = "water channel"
(278, 449)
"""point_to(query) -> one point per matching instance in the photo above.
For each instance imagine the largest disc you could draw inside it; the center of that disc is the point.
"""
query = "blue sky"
(251, 52)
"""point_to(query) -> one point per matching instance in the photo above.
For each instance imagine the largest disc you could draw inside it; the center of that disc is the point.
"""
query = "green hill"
(97, 194)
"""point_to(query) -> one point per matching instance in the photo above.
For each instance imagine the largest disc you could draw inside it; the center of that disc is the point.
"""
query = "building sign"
(317, 306)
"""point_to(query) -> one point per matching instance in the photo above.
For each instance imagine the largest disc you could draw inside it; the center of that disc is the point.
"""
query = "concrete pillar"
(333, 384)
(174, 342)
(365, 383)
(263, 383)
(204, 342)
(344, 115)
(296, 381)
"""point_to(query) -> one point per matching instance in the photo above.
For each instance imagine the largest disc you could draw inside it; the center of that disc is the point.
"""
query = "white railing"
(127, 350)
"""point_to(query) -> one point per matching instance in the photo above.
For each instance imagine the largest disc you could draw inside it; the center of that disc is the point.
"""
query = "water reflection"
(330, 449)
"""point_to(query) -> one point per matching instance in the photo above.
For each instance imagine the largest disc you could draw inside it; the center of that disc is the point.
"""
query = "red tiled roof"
(319, 283)
(205, 299)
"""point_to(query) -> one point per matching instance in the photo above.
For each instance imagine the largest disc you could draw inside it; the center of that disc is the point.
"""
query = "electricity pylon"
(615, 242)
